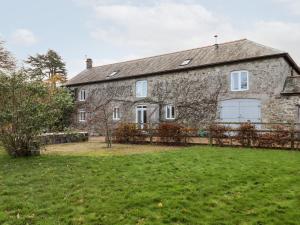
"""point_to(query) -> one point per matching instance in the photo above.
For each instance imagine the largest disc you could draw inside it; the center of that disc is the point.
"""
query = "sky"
(117, 30)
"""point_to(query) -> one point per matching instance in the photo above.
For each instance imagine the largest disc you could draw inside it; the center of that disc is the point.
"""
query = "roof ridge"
(164, 54)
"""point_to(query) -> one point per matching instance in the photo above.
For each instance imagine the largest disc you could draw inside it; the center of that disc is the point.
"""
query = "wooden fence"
(259, 135)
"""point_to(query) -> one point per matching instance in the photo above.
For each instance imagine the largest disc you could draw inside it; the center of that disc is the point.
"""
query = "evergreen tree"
(7, 62)
(49, 67)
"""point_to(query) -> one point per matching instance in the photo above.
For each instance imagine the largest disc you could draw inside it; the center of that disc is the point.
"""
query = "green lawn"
(197, 185)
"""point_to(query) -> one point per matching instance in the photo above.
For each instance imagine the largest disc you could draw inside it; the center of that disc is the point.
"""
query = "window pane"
(168, 112)
(145, 116)
(139, 117)
(244, 80)
(173, 112)
(145, 88)
(82, 95)
(235, 81)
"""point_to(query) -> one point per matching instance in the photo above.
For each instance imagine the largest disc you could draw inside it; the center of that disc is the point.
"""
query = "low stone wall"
(59, 138)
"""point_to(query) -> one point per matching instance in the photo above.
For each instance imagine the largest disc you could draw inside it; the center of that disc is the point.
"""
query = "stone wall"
(60, 138)
(266, 81)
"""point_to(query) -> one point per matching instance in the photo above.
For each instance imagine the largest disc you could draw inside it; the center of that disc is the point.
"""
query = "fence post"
(293, 135)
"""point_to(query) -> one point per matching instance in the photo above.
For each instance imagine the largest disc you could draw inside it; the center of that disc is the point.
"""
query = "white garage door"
(241, 110)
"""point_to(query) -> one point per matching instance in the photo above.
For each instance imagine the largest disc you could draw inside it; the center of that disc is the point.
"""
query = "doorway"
(141, 115)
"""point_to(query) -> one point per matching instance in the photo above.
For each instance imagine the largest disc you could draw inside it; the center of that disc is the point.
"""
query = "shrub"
(247, 134)
(170, 133)
(28, 108)
(187, 133)
(280, 137)
(218, 133)
(266, 140)
(129, 133)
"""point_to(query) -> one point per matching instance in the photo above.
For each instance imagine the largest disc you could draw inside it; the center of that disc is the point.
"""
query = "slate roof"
(291, 86)
(230, 52)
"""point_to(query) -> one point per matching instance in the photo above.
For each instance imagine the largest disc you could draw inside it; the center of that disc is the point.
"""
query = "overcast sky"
(116, 30)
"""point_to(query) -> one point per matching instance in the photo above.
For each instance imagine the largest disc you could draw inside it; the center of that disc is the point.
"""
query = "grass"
(196, 185)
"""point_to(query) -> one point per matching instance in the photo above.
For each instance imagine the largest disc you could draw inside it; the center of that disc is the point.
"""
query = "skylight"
(185, 62)
(113, 74)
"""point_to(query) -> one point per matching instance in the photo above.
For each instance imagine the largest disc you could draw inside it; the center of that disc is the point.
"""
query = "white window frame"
(239, 80)
(169, 108)
(141, 88)
(82, 112)
(82, 95)
(116, 113)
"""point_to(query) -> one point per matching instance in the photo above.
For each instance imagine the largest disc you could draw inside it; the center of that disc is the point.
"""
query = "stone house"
(259, 83)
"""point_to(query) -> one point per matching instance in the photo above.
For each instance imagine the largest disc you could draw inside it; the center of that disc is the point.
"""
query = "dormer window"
(112, 74)
(185, 62)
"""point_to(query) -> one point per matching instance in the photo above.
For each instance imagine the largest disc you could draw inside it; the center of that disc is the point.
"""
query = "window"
(141, 88)
(185, 62)
(239, 81)
(116, 113)
(82, 115)
(82, 95)
(170, 112)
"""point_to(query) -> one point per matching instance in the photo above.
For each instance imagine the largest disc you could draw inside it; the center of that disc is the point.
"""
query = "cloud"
(166, 26)
(282, 35)
(23, 37)
(159, 27)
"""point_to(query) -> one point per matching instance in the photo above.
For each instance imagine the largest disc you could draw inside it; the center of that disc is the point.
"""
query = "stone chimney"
(89, 63)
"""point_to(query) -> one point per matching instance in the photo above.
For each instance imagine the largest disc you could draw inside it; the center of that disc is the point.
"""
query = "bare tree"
(194, 100)
(7, 61)
(100, 104)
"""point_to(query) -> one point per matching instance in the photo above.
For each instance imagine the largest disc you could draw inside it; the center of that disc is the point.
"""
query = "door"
(141, 115)
(241, 110)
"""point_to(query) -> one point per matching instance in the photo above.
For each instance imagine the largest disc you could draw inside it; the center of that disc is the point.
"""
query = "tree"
(63, 108)
(100, 104)
(193, 100)
(28, 108)
(49, 67)
(7, 61)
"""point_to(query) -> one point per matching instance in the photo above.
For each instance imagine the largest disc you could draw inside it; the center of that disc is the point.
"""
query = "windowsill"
(81, 100)
(116, 119)
(170, 118)
(82, 121)
(240, 90)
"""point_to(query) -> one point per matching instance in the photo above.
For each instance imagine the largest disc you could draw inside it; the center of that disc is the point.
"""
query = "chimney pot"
(89, 63)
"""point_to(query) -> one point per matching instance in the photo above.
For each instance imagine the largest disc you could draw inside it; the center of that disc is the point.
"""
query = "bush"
(170, 133)
(280, 137)
(247, 134)
(218, 133)
(28, 108)
(129, 133)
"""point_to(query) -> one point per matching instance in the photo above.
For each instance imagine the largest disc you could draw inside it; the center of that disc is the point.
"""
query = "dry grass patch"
(99, 149)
